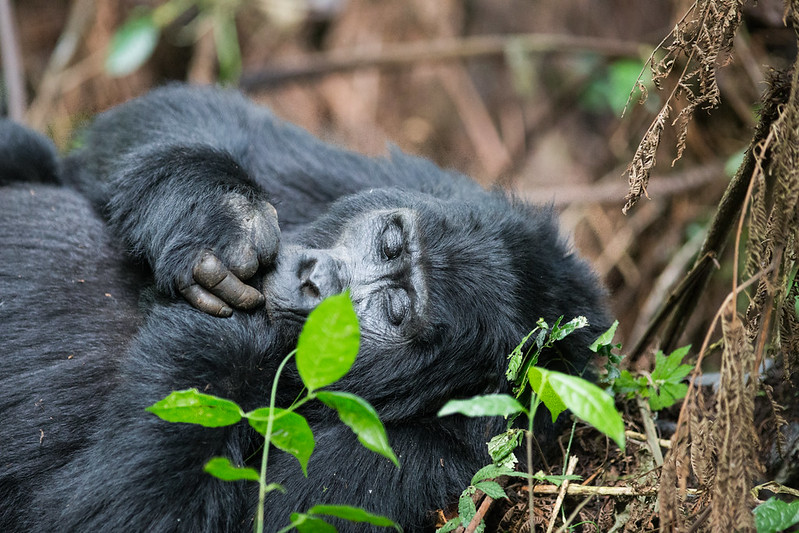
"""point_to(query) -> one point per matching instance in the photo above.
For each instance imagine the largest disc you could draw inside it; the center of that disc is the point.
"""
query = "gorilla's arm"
(187, 175)
(170, 173)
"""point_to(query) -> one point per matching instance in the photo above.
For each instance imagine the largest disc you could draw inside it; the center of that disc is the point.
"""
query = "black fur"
(86, 346)
(26, 155)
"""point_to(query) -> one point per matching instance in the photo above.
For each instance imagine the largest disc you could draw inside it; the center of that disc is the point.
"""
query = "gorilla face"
(405, 258)
(378, 256)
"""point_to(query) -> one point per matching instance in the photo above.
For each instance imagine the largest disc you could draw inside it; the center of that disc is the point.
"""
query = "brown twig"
(583, 490)
(562, 494)
(480, 514)
(404, 54)
(12, 62)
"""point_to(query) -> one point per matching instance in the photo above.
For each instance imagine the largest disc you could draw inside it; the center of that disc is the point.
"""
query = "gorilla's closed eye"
(392, 241)
(398, 305)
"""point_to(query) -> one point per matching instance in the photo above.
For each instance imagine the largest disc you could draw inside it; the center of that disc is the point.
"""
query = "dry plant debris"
(702, 40)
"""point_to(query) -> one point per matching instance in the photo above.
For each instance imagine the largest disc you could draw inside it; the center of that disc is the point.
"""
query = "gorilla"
(189, 236)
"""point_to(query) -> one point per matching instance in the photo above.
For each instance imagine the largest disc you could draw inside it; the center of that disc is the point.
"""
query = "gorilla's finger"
(214, 276)
(245, 263)
(206, 302)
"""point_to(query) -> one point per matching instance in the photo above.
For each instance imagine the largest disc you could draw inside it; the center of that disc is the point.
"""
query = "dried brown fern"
(702, 39)
(734, 431)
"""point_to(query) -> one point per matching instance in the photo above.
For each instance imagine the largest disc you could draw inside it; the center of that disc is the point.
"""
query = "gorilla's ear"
(26, 155)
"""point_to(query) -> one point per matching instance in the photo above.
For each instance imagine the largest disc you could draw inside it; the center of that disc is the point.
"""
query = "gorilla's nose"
(320, 277)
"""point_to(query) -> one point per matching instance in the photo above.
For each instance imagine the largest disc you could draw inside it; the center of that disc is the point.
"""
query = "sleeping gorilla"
(445, 277)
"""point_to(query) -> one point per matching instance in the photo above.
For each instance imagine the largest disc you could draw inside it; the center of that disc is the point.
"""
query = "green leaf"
(669, 368)
(492, 488)
(222, 468)
(328, 343)
(466, 508)
(541, 387)
(501, 448)
(605, 338)
(228, 51)
(290, 432)
(491, 472)
(667, 395)
(353, 514)
(308, 524)
(627, 384)
(587, 401)
(486, 405)
(132, 45)
(776, 515)
(362, 418)
(193, 407)
(560, 332)
(516, 358)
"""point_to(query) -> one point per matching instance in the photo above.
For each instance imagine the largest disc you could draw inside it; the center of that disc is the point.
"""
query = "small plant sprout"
(326, 350)
(556, 390)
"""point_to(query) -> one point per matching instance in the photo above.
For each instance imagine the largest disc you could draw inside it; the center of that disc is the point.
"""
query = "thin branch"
(480, 514)
(584, 490)
(404, 54)
(562, 494)
(12, 62)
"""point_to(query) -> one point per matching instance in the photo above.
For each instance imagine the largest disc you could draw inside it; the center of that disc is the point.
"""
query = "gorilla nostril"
(309, 289)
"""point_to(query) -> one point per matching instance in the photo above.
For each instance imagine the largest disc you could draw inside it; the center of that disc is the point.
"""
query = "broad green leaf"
(221, 467)
(491, 472)
(776, 515)
(605, 338)
(667, 395)
(501, 448)
(193, 407)
(466, 508)
(308, 524)
(132, 45)
(328, 343)
(451, 525)
(353, 514)
(362, 419)
(492, 488)
(669, 368)
(227, 45)
(541, 387)
(587, 401)
(290, 432)
(486, 405)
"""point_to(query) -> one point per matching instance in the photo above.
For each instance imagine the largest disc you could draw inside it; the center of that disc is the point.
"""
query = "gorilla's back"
(58, 264)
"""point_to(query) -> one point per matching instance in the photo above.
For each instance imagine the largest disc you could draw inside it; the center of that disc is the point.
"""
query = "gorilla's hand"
(247, 239)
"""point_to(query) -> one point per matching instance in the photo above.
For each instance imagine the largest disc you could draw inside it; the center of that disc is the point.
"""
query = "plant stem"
(534, 403)
(259, 519)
